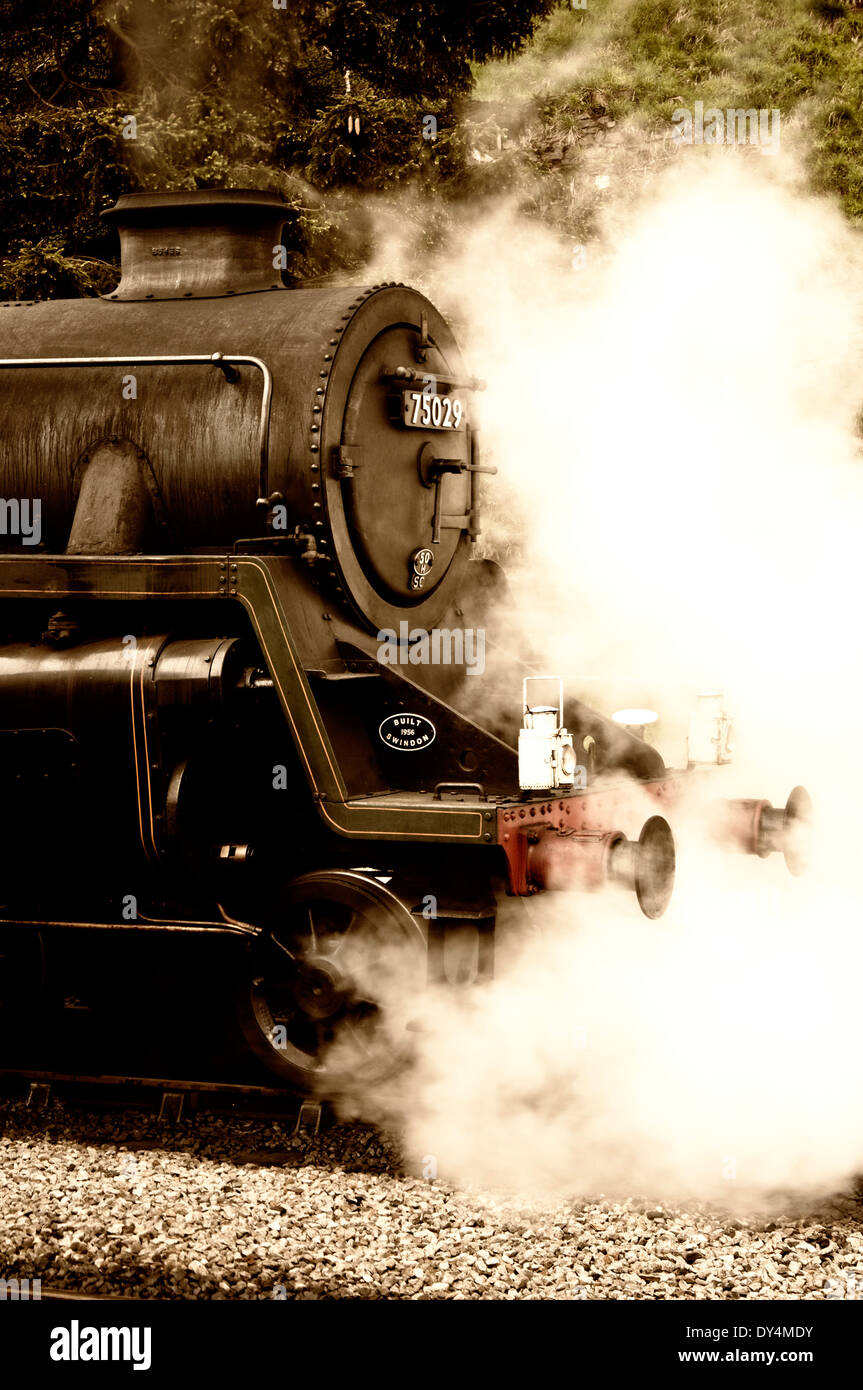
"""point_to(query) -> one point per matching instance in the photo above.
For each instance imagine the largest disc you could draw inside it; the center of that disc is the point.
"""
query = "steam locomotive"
(237, 702)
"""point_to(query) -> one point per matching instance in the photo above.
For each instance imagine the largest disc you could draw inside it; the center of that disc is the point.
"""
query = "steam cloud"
(679, 504)
(675, 431)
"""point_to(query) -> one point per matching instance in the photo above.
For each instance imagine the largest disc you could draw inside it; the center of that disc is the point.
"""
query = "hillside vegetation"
(626, 65)
(326, 111)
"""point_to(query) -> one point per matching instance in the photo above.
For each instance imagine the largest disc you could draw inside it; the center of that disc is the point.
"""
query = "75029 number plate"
(426, 410)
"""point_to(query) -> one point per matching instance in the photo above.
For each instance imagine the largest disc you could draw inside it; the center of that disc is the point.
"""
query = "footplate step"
(171, 1108)
(309, 1117)
(38, 1095)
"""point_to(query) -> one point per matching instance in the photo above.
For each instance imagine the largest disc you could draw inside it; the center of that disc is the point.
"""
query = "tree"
(310, 98)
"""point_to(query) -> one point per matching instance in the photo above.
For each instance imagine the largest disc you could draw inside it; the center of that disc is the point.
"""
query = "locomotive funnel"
(202, 244)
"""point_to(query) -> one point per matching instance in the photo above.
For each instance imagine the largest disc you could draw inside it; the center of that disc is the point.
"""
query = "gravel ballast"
(236, 1208)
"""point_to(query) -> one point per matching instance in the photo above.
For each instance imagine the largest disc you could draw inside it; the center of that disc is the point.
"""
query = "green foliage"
(421, 49)
(327, 98)
(43, 270)
(648, 58)
(388, 149)
(242, 95)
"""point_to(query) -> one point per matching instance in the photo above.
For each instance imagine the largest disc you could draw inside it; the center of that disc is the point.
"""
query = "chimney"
(197, 245)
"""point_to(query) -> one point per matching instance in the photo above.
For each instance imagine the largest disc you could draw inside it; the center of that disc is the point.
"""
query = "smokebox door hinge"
(424, 342)
(346, 457)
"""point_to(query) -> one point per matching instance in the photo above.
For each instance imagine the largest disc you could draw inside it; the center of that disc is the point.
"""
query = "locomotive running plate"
(426, 410)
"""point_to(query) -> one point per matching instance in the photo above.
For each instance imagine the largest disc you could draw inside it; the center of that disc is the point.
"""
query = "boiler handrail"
(216, 359)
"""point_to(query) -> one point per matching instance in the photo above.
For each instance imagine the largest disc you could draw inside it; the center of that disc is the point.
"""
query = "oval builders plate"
(407, 733)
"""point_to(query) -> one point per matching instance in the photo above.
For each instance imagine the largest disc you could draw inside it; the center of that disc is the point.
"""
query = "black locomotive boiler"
(236, 518)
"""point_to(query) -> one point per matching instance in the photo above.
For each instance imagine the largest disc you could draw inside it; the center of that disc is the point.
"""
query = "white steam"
(674, 430)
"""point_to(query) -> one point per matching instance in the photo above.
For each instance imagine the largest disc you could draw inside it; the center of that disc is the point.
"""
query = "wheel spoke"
(276, 942)
(354, 919)
(358, 1038)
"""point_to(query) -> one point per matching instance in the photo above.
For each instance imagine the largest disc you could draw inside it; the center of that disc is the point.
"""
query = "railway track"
(55, 1295)
(176, 1098)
